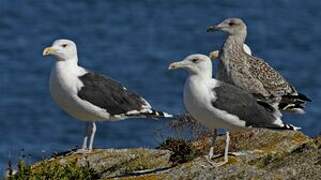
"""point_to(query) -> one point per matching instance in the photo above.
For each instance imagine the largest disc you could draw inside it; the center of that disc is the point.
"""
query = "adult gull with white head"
(89, 96)
(220, 105)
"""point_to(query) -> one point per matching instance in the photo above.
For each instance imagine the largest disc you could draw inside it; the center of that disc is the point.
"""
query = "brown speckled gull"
(253, 74)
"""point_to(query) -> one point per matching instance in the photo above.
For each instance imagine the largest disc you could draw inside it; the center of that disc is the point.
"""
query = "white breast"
(198, 96)
(64, 85)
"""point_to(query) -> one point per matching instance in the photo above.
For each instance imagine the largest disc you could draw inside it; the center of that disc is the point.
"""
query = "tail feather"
(286, 127)
(293, 103)
(150, 113)
(157, 114)
(304, 97)
(278, 124)
(292, 107)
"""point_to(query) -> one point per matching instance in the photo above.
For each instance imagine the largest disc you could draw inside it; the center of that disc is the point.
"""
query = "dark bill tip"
(211, 29)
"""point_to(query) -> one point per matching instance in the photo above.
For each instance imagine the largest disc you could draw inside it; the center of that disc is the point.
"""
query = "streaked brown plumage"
(254, 74)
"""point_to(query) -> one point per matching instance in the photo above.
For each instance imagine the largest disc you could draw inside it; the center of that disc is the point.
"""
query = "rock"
(262, 154)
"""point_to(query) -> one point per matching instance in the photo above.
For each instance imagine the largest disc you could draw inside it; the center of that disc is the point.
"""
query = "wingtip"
(295, 107)
(291, 127)
(298, 111)
(295, 128)
(304, 97)
(159, 114)
(166, 115)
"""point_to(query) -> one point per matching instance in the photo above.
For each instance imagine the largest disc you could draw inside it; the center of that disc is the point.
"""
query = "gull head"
(232, 26)
(62, 49)
(194, 64)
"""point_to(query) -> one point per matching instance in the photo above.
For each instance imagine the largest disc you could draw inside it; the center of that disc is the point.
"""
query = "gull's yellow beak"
(214, 55)
(47, 51)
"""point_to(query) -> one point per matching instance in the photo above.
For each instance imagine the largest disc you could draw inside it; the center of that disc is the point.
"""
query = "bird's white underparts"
(220, 105)
(91, 97)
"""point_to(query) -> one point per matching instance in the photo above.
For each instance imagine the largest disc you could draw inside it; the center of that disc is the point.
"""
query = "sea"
(134, 42)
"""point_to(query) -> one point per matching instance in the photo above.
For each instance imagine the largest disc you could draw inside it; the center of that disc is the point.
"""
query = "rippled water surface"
(133, 42)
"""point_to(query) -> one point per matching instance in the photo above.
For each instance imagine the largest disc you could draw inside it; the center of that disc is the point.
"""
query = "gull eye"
(64, 45)
(195, 60)
(231, 23)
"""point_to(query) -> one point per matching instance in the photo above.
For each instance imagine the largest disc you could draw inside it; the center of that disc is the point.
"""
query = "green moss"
(317, 142)
(267, 160)
(46, 170)
(24, 171)
(232, 160)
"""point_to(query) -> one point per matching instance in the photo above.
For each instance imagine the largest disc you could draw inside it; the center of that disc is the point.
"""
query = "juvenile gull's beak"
(214, 55)
(214, 28)
(211, 29)
(47, 51)
(175, 65)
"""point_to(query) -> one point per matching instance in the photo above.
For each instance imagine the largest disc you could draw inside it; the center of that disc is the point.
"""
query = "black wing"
(242, 104)
(109, 94)
(291, 102)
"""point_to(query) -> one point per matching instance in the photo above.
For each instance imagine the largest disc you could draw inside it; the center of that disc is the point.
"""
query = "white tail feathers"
(149, 113)
(291, 127)
(159, 114)
(280, 125)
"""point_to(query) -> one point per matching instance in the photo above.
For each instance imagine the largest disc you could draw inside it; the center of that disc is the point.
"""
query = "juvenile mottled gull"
(216, 53)
(221, 71)
(254, 74)
(91, 97)
(220, 105)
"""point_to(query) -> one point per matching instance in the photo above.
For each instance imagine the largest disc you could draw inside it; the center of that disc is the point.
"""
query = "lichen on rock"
(261, 154)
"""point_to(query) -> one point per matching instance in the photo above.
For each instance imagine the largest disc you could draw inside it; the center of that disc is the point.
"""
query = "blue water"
(133, 42)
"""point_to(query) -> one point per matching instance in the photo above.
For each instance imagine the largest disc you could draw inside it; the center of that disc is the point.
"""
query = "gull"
(253, 74)
(216, 104)
(89, 96)
(216, 53)
(221, 72)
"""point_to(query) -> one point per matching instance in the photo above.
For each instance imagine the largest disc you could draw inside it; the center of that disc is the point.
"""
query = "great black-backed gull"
(89, 96)
(220, 105)
(254, 74)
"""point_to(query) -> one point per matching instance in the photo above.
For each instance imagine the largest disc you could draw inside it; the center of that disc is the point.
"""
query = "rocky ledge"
(262, 154)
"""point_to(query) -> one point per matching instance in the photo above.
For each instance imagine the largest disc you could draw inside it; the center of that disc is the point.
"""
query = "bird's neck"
(67, 66)
(233, 48)
(195, 84)
(204, 76)
(234, 43)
